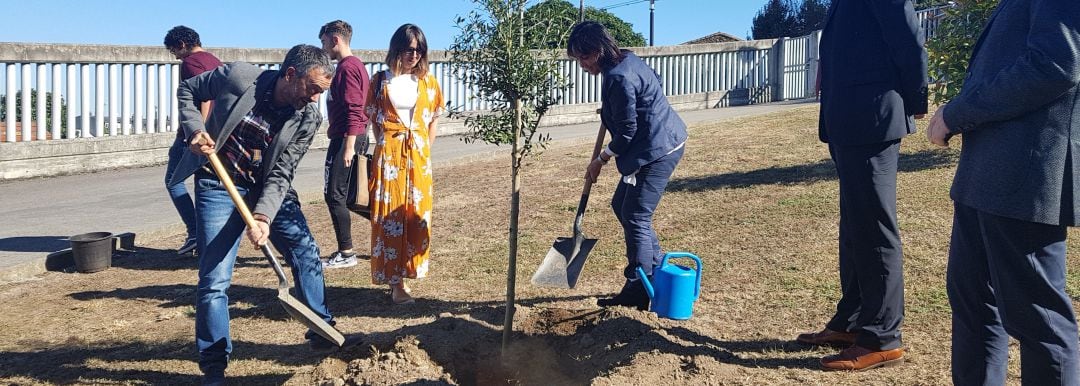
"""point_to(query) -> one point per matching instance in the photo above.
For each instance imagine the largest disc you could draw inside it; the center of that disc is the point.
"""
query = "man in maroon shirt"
(184, 43)
(345, 107)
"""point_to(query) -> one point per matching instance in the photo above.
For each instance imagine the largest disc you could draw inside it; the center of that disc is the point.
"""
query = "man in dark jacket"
(184, 43)
(1015, 194)
(261, 126)
(873, 81)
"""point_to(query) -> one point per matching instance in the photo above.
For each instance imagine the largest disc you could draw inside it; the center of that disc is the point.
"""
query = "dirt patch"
(552, 346)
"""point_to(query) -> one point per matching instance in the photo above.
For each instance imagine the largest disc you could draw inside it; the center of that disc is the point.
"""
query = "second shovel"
(564, 261)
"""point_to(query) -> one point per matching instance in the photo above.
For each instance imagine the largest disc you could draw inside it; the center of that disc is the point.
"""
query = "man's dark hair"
(304, 58)
(590, 37)
(339, 28)
(181, 35)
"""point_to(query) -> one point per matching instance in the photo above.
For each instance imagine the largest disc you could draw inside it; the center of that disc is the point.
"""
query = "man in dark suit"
(262, 125)
(873, 81)
(1015, 194)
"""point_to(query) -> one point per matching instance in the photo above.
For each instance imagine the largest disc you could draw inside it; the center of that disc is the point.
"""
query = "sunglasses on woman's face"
(410, 50)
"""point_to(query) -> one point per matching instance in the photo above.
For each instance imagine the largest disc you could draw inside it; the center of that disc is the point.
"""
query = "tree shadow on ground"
(118, 362)
(757, 347)
(263, 300)
(342, 301)
(375, 300)
(151, 259)
(822, 170)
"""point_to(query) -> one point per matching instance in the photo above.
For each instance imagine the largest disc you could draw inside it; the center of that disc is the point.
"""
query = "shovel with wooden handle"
(564, 261)
(292, 305)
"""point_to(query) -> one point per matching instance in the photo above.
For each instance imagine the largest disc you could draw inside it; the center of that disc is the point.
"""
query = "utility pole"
(581, 10)
(652, 17)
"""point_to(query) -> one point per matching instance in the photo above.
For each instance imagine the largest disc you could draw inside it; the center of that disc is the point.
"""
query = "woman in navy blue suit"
(647, 139)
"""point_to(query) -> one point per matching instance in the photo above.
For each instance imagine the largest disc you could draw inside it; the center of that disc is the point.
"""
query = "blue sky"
(255, 24)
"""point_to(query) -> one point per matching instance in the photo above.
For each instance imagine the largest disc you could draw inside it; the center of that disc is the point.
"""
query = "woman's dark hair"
(400, 42)
(590, 37)
(181, 34)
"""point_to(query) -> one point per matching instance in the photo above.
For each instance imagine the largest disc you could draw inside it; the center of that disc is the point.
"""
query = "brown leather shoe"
(857, 358)
(827, 337)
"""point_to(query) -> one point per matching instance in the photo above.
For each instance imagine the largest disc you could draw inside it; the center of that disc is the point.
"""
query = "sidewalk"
(39, 215)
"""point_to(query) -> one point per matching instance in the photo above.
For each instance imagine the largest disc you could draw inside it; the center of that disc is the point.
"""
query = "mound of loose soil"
(551, 346)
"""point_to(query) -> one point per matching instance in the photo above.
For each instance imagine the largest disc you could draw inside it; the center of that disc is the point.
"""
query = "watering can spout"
(645, 282)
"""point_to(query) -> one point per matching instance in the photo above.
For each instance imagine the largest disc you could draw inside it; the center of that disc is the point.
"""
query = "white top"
(403, 91)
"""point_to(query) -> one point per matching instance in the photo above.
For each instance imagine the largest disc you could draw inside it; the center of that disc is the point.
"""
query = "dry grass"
(756, 198)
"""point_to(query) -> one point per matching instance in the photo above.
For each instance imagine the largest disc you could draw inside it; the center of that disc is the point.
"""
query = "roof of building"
(719, 37)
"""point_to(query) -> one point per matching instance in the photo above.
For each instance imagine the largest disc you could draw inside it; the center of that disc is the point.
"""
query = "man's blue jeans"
(178, 192)
(220, 230)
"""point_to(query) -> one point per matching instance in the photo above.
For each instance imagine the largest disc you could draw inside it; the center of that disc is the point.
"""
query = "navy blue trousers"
(1007, 277)
(871, 257)
(634, 206)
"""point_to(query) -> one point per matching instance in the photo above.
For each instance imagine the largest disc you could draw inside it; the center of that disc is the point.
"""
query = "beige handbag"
(359, 200)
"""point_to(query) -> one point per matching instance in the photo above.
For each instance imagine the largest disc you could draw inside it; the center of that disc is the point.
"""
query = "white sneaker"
(340, 260)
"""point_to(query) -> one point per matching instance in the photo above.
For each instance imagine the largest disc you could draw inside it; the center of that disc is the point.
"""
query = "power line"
(625, 3)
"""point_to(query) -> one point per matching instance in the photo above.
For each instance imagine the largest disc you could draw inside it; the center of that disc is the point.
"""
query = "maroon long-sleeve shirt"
(345, 105)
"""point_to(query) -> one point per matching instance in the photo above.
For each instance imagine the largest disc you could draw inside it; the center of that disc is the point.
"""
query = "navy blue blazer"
(642, 124)
(873, 72)
(1019, 115)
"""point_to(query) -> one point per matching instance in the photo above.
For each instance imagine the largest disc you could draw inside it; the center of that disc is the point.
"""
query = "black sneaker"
(340, 260)
(213, 380)
(320, 345)
(189, 245)
(632, 295)
(323, 346)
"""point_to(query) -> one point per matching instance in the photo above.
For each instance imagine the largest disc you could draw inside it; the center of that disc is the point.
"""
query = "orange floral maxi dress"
(401, 183)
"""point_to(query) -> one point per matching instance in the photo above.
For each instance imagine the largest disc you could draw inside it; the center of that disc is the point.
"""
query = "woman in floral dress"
(404, 103)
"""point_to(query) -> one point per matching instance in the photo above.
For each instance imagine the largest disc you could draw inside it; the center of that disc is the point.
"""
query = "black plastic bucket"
(92, 252)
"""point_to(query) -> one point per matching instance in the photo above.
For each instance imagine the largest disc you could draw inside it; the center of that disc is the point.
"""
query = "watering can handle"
(663, 262)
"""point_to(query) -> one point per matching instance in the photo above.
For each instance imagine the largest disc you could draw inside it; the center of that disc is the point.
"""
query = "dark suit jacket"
(234, 87)
(1019, 114)
(642, 124)
(873, 72)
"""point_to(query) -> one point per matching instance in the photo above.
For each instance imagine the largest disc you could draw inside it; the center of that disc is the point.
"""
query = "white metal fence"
(104, 94)
(930, 18)
(800, 60)
(94, 91)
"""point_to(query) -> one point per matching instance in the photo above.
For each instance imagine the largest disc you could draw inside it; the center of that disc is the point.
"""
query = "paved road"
(38, 215)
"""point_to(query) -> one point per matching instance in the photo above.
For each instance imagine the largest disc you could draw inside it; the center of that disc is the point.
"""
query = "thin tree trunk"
(515, 200)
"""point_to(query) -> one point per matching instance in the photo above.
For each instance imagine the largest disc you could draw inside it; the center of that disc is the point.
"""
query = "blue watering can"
(674, 288)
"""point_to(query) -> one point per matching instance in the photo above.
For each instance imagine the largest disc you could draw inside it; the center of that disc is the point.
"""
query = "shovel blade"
(305, 315)
(563, 263)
